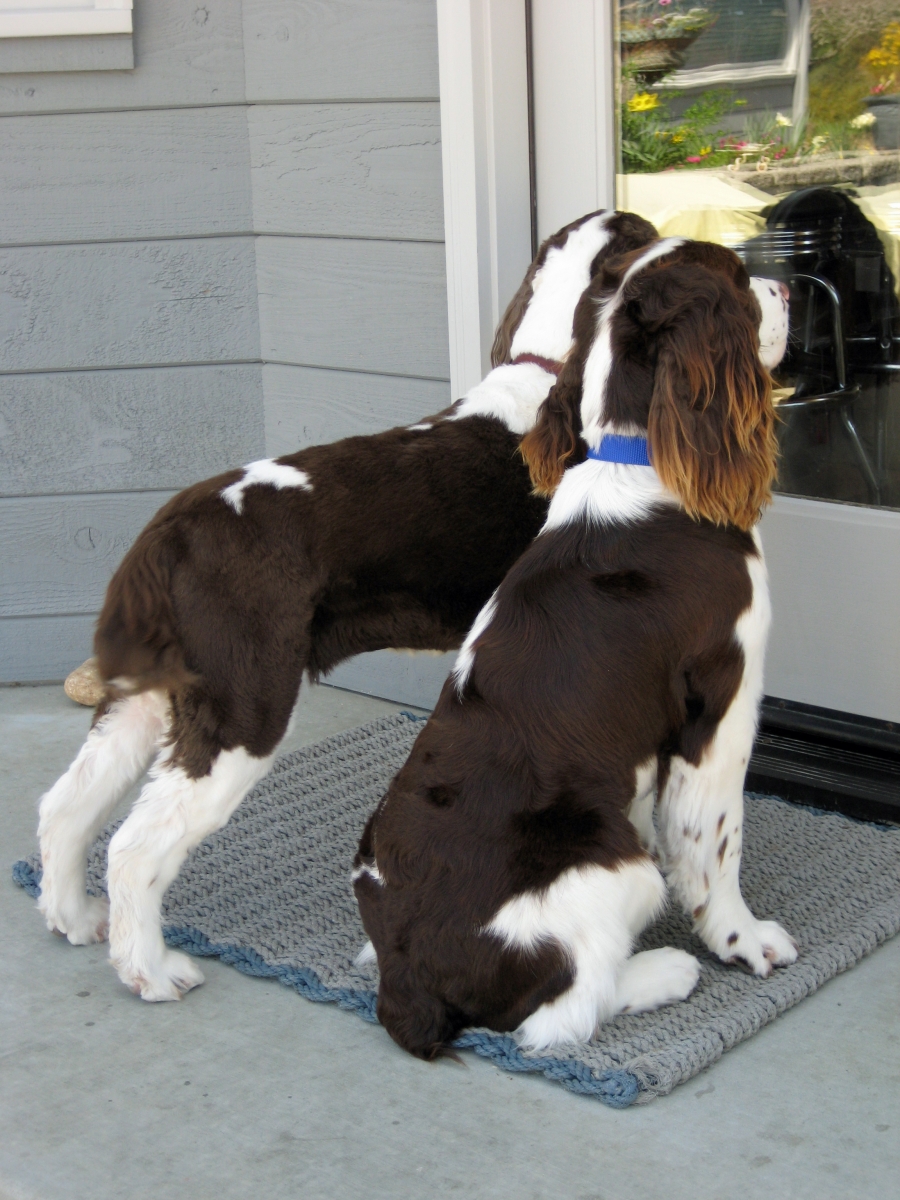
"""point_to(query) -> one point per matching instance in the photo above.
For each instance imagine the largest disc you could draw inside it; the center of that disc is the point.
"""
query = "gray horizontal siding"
(100, 431)
(407, 677)
(98, 176)
(354, 170)
(341, 49)
(124, 304)
(43, 649)
(185, 51)
(347, 170)
(262, 195)
(370, 306)
(60, 551)
(307, 407)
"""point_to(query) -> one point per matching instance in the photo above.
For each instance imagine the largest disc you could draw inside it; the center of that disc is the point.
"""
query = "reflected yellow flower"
(643, 102)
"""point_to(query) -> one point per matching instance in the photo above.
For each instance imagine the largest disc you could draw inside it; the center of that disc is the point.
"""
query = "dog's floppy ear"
(556, 436)
(501, 351)
(416, 1020)
(711, 423)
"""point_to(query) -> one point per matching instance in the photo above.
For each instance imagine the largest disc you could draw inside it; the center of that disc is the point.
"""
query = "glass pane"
(773, 127)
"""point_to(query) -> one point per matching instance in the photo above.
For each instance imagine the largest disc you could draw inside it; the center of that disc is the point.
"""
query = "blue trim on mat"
(26, 877)
(618, 1089)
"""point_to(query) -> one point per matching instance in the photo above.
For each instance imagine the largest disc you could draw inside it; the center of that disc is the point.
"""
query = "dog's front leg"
(701, 817)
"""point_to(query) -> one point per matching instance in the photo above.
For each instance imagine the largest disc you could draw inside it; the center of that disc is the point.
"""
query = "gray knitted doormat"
(270, 894)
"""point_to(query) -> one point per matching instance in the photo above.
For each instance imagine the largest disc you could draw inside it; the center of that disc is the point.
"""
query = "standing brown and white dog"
(242, 584)
(507, 872)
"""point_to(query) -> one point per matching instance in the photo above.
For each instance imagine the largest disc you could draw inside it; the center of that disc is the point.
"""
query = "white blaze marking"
(265, 471)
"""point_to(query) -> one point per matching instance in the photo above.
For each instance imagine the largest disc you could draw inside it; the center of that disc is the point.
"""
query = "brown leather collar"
(547, 364)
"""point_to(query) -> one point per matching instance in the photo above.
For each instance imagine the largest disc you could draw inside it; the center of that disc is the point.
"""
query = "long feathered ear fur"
(555, 441)
(711, 423)
(501, 351)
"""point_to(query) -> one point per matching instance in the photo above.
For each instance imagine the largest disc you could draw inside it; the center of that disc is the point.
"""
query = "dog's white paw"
(83, 922)
(656, 977)
(169, 979)
(757, 947)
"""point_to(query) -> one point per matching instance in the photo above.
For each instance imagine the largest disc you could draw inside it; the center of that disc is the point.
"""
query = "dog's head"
(427, 886)
(538, 319)
(667, 343)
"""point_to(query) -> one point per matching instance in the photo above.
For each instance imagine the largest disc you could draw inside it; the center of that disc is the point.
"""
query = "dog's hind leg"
(172, 815)
(113, 757)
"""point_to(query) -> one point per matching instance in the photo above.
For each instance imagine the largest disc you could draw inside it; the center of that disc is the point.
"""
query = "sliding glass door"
(772, 127)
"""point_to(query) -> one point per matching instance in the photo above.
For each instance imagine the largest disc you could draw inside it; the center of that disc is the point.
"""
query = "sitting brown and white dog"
(242, 584)
(505, 875)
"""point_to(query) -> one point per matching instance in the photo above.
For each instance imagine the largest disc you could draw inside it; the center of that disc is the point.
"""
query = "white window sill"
(77, 22)
(65, 35)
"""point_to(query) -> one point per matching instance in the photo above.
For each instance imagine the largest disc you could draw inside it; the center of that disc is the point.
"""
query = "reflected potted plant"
(884, 102)
(655, 35)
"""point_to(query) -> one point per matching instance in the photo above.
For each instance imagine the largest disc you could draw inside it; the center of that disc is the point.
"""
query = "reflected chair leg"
(862, 456)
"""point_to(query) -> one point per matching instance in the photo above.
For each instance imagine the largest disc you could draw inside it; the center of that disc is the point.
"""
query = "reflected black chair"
(844, 310)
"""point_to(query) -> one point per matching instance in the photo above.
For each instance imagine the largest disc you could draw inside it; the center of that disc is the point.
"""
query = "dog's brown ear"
(416, 1020)
(501, 351)
(555, 440)
(711, 423)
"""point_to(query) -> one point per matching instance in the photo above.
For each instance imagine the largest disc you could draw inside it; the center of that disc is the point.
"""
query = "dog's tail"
(136, 641)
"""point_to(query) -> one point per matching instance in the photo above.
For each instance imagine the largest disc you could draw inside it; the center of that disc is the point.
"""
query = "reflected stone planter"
(886, 111)
(654, 58)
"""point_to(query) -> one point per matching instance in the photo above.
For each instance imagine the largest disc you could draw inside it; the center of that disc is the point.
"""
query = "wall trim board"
(44, 649)
(88, 52)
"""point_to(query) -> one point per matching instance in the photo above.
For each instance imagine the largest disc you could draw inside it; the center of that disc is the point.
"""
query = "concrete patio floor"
(245, 1089)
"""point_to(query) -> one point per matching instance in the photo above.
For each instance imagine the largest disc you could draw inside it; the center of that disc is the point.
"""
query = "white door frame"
(484, 146)
(484, 150)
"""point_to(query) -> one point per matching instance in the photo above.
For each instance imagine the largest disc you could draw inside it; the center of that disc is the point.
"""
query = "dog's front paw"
(169, 979)
(757, 947)
(83, 923)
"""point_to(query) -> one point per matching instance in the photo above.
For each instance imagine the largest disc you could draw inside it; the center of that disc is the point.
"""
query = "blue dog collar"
(618, 449)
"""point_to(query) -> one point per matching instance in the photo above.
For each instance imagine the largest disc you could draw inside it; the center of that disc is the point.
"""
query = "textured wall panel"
(347, 170)
(185, 52)
(341, 50)
(371, 306)
(100, 431)
(87, 176)
(60, 551)
(43, 649)
(407, 677)
(128, 304)
(308, 407)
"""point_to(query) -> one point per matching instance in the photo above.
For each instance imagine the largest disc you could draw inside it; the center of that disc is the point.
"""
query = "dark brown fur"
(609, 646)
(401, 540)
(604, 652)
(227, 611)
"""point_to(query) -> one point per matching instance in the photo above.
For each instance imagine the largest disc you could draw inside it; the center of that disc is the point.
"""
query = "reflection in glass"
(773, 127)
